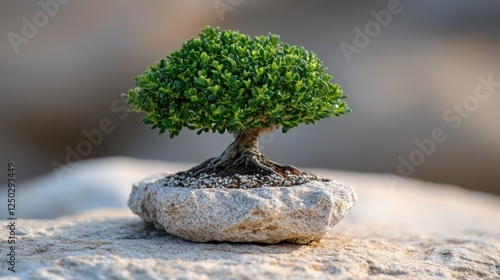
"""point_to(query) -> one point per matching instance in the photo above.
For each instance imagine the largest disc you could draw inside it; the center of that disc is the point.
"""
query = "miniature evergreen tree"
(227, 81)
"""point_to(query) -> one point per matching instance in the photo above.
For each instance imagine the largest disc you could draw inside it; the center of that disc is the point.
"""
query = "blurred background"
(63, 66)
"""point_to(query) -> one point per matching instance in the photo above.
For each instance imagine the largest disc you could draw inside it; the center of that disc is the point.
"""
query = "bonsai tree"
(227, 81)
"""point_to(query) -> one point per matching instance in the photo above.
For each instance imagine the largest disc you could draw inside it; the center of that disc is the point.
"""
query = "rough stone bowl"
(298, 214)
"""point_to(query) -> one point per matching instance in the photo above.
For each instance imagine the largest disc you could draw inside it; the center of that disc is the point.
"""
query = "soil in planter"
(245, 180)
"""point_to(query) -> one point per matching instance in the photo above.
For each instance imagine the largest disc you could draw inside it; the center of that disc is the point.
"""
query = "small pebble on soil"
(237, 181)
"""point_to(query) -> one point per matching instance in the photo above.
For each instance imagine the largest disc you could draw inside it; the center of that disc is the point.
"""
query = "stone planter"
(297, 214)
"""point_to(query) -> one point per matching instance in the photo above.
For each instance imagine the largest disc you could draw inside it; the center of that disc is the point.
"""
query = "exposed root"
(248, 163)
(254, 160)
(291, 168)
(243, 157)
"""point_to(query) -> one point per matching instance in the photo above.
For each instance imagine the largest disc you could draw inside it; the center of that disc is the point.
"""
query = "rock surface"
(399, 229)
(118, 245)
(298, 214)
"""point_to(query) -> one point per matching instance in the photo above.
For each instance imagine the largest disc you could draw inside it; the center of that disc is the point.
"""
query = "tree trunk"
(243, 156)
(246, 141)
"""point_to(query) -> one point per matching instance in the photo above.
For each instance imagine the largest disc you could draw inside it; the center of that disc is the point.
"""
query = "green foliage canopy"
(224, 80)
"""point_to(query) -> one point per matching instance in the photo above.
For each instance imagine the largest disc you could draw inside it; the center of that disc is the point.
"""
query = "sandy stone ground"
(411, 230)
